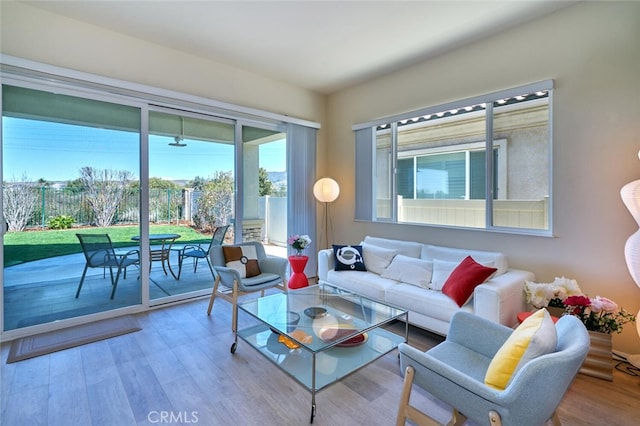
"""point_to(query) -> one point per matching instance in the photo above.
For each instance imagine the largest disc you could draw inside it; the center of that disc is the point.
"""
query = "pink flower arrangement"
(598, 314)
(299, 243)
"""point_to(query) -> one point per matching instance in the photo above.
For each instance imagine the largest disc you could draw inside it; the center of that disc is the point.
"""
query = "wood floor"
(178, 370)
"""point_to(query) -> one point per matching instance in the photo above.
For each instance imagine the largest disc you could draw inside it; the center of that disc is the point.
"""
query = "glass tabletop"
(321, 316)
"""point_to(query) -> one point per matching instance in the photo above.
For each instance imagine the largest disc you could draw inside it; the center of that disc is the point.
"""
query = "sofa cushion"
(367, 283)
(536, 336)
(441, 271)
(449, 254)
(409, 270)
(427, 302)
(406, 248)
(464, 279)
(348, 258)
(376, 259)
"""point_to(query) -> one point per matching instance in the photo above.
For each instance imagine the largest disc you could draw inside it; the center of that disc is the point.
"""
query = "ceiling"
(322, 46)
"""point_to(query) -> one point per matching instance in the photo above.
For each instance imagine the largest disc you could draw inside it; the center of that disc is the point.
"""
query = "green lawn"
(20, 247)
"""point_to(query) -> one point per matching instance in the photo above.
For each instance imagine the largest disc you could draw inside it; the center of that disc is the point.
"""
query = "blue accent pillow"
(348, 258)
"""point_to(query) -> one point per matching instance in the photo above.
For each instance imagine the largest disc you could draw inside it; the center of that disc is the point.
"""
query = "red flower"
(578, 301)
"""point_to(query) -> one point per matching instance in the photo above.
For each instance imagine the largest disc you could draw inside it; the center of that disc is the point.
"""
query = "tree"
(215, 204)
(156, 183)
(164, 200)
(264, 184)
(74, 186)
(198, 183)
(20, 200)
(105, 190)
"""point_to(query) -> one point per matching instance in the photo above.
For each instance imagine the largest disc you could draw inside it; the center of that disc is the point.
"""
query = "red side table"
(298, 279)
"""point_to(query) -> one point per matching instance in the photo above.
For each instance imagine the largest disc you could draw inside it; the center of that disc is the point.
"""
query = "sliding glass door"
(191, 193)
(111, 196)
(70, 172)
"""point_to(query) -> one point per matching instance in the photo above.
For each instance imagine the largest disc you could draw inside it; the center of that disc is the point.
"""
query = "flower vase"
(298, 279)
(599, 361)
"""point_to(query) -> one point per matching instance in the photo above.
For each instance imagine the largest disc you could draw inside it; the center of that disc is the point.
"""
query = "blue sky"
(56, 152)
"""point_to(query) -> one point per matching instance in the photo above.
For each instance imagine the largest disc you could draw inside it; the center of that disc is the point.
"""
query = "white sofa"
(398, 274)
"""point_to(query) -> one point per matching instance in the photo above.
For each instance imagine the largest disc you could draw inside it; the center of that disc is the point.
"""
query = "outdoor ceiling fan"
(178, 139)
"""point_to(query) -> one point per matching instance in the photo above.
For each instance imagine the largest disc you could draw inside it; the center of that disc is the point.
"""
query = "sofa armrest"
(501, 298)
(325, 263)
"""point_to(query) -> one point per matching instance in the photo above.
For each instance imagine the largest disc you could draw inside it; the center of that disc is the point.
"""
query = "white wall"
(35, 34)
(592, 52)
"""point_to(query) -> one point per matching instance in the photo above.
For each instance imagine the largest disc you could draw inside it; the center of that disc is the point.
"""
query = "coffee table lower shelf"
(316, 370)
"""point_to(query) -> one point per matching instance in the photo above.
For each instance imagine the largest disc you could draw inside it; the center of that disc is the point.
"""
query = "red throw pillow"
(464, 279)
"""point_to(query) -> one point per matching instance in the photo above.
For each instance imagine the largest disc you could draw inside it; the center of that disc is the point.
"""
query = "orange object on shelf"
(297, 334)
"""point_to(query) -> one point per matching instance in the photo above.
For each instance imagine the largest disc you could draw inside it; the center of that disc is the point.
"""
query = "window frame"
(366, 134)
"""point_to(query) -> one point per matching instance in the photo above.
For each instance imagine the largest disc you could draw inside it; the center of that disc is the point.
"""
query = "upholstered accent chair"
(232, 277)
(454, 371)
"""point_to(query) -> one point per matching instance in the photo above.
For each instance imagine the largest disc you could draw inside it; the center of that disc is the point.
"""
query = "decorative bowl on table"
(315, 312)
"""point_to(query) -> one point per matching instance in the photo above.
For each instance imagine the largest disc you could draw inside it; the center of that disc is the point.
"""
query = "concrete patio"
(43, 291)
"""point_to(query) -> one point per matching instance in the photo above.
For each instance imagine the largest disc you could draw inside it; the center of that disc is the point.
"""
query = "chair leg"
(115, 283)
(213, 294)
(81, 280)
(494, 418)
(210, 267)
(111, 274)
(401, 418)
(406, 411)
(180, 259)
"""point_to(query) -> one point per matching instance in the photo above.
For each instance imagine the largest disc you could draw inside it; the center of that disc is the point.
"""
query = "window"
(431, 166)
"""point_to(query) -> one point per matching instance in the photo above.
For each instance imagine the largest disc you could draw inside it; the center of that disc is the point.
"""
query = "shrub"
(61, 222)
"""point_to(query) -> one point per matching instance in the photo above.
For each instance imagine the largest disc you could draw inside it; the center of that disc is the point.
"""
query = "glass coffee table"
(320, 334)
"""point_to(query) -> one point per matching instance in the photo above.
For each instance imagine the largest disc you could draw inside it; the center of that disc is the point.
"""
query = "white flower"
(540, 294)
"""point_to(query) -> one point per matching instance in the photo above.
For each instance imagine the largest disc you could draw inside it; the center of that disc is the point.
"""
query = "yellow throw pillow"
(534, 337)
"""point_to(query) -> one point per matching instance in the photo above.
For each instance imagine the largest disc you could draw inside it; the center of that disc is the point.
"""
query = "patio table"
(162, 254)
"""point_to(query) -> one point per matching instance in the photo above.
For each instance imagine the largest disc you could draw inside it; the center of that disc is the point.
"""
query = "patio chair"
(99, 253)
(200, 251)
(235, 277)
(454, 372)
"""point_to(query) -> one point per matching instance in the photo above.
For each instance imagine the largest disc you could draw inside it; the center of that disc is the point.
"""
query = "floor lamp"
(630, 194)
(326, 190)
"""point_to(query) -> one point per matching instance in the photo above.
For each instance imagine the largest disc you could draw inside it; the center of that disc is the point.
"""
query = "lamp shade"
(326, 190)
